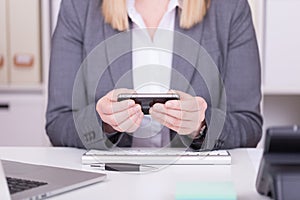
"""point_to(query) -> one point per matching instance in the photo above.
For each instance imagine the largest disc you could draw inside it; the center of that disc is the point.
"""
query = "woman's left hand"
(185, 116)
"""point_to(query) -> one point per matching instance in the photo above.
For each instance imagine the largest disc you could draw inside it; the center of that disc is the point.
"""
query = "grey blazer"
(226, 35)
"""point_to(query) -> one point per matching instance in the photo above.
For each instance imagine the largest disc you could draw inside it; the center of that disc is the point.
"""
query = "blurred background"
(26, 27)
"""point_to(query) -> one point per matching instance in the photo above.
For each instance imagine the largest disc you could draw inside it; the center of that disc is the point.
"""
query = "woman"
(223, 28)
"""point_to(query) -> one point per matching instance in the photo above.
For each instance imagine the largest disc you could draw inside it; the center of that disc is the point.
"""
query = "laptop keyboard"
(18, 185)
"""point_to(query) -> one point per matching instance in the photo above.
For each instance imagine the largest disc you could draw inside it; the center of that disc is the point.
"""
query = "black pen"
(123, 167)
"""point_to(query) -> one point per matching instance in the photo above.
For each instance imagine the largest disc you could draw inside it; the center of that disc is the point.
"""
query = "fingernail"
(131, 103)
(137, 108)
(169, 104)
(157, 107)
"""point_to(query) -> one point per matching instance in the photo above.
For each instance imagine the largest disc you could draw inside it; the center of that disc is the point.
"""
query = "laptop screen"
(4, 194)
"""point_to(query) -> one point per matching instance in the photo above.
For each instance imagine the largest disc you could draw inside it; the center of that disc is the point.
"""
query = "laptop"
(29, 181)
(153, 156)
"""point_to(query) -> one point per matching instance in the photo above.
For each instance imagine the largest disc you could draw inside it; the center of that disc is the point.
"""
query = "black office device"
(147, 100)
(279, 172)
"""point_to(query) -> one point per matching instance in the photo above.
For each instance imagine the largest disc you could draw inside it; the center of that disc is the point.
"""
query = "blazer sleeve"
(242, 82)
(67, 125)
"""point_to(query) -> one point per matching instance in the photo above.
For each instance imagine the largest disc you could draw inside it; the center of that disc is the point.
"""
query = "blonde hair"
(192, 12)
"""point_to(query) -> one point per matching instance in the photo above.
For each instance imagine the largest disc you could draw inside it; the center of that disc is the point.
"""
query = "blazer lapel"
(119, 55)
(185, 54)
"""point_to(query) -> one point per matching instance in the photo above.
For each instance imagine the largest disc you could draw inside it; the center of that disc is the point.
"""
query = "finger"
(120, 117)
(179, 114)
(128, 123)
(165, 119)
(184, 105)
(161, 108)
(104, 104)
(116, 118)
(175, 123)
(137, 124)
(184, 128)
(109, 108)
(183, 95)
(192, 117)
(190, 105)
(187, 97)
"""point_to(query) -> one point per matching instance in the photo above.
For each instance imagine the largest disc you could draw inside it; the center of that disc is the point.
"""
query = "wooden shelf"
(7, 89)
(281, 91)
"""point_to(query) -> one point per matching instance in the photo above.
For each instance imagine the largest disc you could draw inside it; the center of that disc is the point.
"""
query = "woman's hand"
(185, 116)
(124, 116)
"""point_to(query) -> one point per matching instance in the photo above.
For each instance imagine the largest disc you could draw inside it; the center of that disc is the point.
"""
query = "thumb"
(182, 95)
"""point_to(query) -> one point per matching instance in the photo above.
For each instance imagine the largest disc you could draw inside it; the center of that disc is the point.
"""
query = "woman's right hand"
(124, 116)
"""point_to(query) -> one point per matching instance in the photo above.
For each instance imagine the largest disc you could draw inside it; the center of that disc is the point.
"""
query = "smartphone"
(147, 100)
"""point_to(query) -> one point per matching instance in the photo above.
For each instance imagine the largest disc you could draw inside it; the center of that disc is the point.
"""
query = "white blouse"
(151, 65)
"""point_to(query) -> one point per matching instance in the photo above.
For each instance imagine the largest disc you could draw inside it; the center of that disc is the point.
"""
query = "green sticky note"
(205, 191)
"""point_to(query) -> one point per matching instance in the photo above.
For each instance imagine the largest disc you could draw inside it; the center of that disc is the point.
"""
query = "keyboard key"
(16, 185)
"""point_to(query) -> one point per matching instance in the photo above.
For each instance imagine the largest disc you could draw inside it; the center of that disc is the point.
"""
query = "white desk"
(154, 185)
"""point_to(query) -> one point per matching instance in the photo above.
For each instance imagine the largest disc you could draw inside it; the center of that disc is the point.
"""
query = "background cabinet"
(22, 120)
(3, 44)
(23, 101)
(20, 43)
(23, 25)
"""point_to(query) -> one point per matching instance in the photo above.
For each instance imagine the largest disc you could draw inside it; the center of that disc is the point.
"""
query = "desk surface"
(154, 185)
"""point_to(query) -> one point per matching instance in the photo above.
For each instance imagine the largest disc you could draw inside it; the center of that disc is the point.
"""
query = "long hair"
(192, 12)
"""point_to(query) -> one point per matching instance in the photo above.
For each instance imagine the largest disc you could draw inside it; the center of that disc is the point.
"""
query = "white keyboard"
(153, 156)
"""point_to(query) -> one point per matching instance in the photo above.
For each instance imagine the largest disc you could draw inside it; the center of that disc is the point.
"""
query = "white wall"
(279, 44)
(281, 63)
